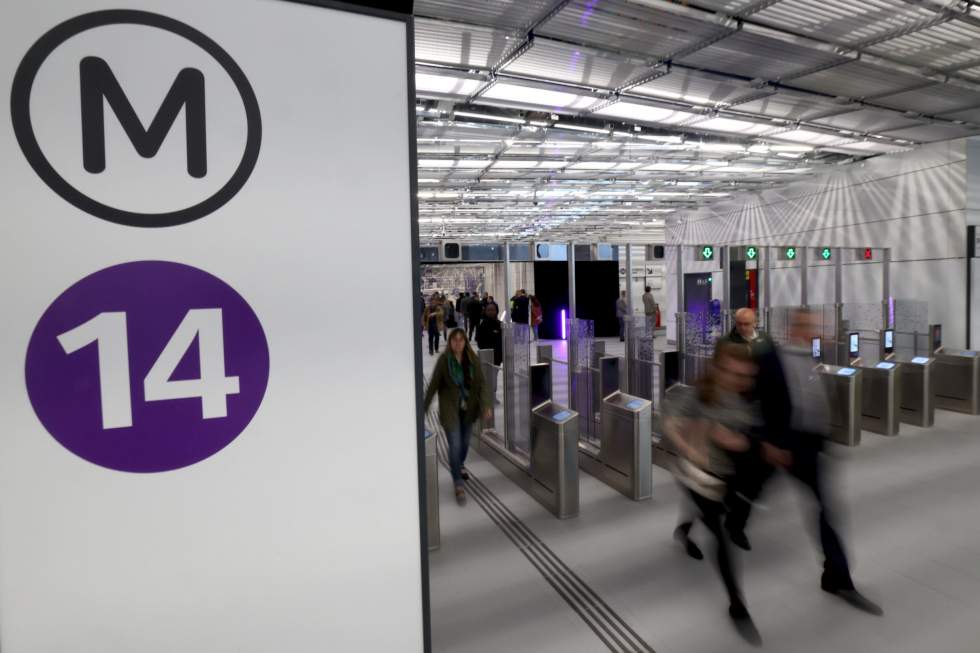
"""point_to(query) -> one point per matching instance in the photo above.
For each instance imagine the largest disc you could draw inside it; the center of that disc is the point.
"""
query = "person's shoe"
(744, 625)
(465, 475)
(738, 539)
(460, 496)
(689, 546)
(855, 599)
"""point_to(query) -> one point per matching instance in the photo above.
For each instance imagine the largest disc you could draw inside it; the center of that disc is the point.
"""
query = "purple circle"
(166, 434)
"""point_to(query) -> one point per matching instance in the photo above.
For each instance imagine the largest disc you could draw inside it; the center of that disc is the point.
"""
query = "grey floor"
(909, 514)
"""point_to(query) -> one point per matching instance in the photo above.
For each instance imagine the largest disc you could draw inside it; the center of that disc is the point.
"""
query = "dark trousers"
(622, 328)
(711, 513)
(472, 328)
(752, 473)
(459, 445)
(433, 339)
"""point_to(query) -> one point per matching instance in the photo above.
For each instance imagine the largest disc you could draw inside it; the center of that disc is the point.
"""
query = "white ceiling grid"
(595, 119)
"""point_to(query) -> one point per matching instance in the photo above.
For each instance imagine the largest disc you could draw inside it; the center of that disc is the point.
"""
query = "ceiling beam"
(963, 16)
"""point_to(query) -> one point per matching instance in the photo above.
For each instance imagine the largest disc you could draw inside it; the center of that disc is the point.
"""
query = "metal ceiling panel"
(452, 43)
(694, 87)
(623, 25)
(567, 63)
(941, 46)
(934, 100)
(856, 80)
(505, 14)
(790, 106)
(727, 7)
(842, 20)
(868, 120)
(756, 56)
(970, 115)
(929, 133)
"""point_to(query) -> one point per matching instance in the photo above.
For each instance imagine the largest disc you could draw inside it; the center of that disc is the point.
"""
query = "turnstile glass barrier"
(956, 380)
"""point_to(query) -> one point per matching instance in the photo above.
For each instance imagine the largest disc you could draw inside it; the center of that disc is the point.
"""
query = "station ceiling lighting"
(488, 116)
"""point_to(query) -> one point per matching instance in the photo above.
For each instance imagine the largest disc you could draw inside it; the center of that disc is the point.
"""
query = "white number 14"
(109, 331)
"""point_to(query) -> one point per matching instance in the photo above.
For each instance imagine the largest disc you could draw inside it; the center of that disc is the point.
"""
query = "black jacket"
(770, 390)
(490, 335)
(520, 309)
(474, 310)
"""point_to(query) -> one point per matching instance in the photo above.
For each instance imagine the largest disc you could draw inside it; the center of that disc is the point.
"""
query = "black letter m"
(187, 91)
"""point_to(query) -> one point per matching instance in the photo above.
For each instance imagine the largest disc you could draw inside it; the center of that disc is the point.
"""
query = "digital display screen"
(847, 371)
(635, 404)
(889, 341)
(854, 344)
(884, 365)
(561, 415)
(815, 348)
(937, 336)
(920, 360)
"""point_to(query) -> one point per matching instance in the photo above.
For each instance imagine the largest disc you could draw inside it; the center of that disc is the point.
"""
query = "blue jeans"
(459, 446)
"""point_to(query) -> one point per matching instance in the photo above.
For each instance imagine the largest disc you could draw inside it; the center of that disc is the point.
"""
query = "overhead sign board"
(190, 454)
(706, 253)
(826, 253)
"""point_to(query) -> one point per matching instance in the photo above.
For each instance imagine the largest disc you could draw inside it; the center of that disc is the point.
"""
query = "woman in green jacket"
(463, 397)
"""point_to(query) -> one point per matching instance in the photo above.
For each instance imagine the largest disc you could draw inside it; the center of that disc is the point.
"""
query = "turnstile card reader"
(623, 458)
(916, 399)
(956, 381)
(843, 387)
(881, 398)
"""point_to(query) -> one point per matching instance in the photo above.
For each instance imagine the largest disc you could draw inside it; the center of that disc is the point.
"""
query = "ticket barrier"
(879, 396)
(545, 354)
(550, 472)
(917, 404)
(431, 491)
(956, 381)
(843, 387)
(598, 351)
(662, 451)
(491, 374)
(623, 458)
(605, 380)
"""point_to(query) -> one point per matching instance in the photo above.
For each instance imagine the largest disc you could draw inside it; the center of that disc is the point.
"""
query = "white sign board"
(205, 446)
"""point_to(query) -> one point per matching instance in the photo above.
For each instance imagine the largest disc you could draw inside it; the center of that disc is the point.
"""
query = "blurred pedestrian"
(622, 310)
(489, 335)
(793, 440)
(474, 313)
(537, 315)
(464, 397)
(432, 322)
(520, 307)
(707, 424)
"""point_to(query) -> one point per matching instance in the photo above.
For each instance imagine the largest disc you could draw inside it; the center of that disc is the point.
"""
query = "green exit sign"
(791, 253)
(751, 253)
(826, 253)
(706, 253)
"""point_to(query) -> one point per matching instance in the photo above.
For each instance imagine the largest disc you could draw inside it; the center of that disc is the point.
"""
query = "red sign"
(868, 254)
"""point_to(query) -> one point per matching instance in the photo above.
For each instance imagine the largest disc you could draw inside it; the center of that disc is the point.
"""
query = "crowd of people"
(759, 409)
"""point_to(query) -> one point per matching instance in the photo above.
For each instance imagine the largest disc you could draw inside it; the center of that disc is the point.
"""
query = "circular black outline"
(20, 98)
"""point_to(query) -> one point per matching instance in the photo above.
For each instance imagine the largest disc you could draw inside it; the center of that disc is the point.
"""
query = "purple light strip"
(563, 327)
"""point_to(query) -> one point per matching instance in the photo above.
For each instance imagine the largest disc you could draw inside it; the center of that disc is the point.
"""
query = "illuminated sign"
(751, 253)
(791, 253)
(826, 253)
(707, 253)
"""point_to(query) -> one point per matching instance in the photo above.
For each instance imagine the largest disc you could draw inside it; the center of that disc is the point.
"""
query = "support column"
(839, 277)
(804, 274)
(507, 293)
(629, 308)
(679, 332)
(570, 343)
(886, 284)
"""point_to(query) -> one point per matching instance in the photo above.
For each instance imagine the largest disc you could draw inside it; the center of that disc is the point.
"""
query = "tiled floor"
(910, 513)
